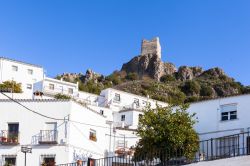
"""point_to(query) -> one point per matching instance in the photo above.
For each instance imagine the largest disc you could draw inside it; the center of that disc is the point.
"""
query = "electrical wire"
(49, 117)
(30, 109)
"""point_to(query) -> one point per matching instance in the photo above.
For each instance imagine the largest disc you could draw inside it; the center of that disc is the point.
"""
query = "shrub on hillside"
(132, 76)
(206, 91)
(191, 88)
(167, 78)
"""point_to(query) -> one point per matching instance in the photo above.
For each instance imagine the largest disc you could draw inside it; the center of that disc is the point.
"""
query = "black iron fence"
(225, 147)
(211, 149)
(48, 137)
(69, 164)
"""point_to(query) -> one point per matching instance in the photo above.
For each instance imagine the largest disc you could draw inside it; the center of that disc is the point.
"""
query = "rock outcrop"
(188, 73)
(149, 65)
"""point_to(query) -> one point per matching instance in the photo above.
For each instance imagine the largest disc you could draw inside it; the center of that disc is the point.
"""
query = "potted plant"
(79, 162)
(3, 139)
(7, 164)
(15, 139)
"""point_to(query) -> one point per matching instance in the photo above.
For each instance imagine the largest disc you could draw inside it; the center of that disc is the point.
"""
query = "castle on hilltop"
(151, 47)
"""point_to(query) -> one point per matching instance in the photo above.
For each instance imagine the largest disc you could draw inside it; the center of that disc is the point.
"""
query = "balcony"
(9, 137)
(48, 137)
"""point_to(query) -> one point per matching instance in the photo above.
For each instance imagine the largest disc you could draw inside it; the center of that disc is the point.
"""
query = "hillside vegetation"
(175, 88)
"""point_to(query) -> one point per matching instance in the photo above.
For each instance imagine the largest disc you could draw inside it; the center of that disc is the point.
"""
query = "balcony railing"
(9, 137)
(48, 137)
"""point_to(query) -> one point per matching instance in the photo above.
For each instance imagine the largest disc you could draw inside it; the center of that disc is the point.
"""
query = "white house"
(222, 116)
(21, 72)
(33, 78)
(91, 126)
(76, 132)
(51, 87)
(120, 100)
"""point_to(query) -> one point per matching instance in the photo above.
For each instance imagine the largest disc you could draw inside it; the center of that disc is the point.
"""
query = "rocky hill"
(148, 75)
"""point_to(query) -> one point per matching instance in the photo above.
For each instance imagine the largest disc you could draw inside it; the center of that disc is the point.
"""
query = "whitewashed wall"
(30, 125)
(209, 116)
(21, 76)
(126, 100)
(59, 87)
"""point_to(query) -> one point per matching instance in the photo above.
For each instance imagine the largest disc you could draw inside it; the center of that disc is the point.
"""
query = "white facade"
(32, 79)
(51, 87)
(209, 114)
(120, 100)
(24, 73)
(95, 126)
(65, 140)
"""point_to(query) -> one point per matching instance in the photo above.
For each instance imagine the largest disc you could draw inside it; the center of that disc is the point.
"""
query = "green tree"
(169, 130)
(11, 86)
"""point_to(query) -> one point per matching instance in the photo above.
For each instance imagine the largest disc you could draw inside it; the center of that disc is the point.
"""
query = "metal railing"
(68, 164)
(48, 137)
(225, 147)
(9, 137)
(211, 149)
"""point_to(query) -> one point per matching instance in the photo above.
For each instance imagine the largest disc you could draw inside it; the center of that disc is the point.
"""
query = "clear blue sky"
(74, 35)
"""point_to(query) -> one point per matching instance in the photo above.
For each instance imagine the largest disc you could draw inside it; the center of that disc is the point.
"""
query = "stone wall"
(151, 47)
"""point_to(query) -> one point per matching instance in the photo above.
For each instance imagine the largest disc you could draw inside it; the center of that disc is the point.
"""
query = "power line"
(30, 109)
(49, 117)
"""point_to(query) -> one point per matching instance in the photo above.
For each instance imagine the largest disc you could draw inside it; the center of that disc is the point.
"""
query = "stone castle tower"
(151, 47)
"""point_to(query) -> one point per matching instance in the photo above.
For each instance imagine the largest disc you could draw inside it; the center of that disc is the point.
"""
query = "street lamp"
(26, 149)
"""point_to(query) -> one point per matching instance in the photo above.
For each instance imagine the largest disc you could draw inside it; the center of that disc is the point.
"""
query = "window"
(228, 112)
(117, 97)
(123, 118)
(136, 102)
(233, 115)
(29, 86)
(51, 86)
(145, 102)
(14, 68)
(10, 160)
(49, 160)
(30, 71)
(70, 90)
(61, 88)
(92, 135)
(224, 116)
(101, 112)
(10, 136)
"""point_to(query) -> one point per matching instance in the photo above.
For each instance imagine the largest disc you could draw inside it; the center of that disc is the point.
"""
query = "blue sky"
(72, 36)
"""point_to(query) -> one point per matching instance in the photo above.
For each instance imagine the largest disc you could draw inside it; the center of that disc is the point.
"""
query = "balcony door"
(51, 128)
(13, 127)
